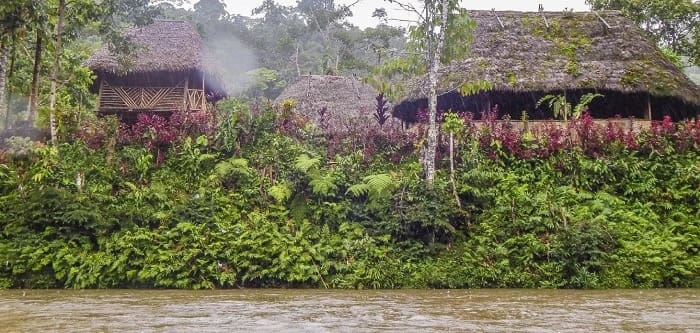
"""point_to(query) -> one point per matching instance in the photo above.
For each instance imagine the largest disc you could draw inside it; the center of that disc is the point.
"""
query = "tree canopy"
(675, 24)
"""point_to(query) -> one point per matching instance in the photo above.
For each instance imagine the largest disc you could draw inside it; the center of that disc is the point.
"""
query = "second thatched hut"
(527, 55)
(332, 102)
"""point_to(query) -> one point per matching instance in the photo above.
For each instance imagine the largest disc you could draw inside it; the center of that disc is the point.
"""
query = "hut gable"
(340, 99)
(525, 55)
(167, 70)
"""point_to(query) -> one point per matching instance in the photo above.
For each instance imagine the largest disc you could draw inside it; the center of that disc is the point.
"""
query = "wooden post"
(203, 95)
(648, 115)
(99, 94)
(185, 94)
(630, 124)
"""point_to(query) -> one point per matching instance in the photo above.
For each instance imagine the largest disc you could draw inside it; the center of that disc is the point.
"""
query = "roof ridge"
(170, 20)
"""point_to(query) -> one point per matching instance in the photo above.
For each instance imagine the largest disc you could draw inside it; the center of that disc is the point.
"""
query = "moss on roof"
(576, 51)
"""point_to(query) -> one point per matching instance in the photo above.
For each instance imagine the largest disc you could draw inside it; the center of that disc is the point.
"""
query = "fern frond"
(280, 192)
(375, 186)
(358, 190)
(323, 186)
(239, 162)
(379, 183)
(232, 166)
(222, 169)
(131, 186)
(205, 157)
(304, 163)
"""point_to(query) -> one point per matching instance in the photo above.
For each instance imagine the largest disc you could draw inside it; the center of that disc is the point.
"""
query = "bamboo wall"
(117, 99)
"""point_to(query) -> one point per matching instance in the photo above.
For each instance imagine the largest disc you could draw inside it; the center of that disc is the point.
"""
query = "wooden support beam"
(541, 10)
(493, 10)
(204, 96)
(605, 23)
(648, 113)
(99, 94)
(185, 94)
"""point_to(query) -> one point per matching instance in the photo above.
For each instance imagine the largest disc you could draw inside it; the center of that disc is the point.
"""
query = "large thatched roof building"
(526, 55)
(167, 70)
(336, 99)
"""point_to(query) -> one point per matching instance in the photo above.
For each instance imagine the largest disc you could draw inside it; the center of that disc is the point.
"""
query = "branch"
(405, 20)
(352, 4)
(408, 7)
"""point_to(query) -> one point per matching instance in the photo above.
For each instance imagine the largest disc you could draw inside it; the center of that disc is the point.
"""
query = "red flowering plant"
(155, 132)
(501, 138)
(96, 132)
(688, 135)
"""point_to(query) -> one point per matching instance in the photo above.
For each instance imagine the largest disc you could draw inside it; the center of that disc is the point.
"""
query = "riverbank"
(261, 198)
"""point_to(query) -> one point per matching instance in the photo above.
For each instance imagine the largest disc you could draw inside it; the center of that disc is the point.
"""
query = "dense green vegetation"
(261, 198)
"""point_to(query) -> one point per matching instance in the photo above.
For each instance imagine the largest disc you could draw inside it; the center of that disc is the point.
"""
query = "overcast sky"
(363, 9)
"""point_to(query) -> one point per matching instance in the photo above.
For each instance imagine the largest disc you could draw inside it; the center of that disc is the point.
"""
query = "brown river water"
(274, 310)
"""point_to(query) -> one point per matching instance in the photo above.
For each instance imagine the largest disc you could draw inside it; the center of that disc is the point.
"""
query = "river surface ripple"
(274, 310)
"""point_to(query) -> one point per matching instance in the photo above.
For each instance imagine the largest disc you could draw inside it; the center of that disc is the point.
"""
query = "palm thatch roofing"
(524, 55)
(163, 46)
(337, 98)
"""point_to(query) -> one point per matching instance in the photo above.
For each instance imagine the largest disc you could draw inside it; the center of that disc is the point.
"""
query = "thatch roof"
(163, 46)
(342, 98)
(578, 51)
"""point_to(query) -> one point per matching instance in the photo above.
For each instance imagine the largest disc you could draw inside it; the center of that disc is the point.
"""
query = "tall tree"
(435, 62)
(443, 32)
(380, 40)
(39, 22)
(675, 24)
(210, 10)
(58, 36)
(33, 101)
(327, 19)
(4, 50)
(10, 22)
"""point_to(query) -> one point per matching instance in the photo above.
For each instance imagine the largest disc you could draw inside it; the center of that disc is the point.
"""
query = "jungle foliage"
(253, 197)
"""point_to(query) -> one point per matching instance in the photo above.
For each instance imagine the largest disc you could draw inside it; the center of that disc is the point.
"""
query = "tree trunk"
(3, 80)
(34, 94)
(10, 75)
(435, 62)
(55, 71)
(296, 60)
(452, 170)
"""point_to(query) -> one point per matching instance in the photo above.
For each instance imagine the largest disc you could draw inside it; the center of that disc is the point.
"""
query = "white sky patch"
(362, 11)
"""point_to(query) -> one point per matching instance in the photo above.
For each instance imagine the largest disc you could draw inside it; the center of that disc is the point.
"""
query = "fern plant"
(322, 184)
(233, 170)
(374, 186)
(304, 163)
(280, 192)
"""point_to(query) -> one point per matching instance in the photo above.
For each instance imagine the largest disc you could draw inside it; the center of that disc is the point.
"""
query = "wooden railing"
(114, 98)
(124, 99)
(625, 123)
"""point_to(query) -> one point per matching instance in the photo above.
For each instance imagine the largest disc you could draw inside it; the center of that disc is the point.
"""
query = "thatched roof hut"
(338, 99)
(168, 69)
(526, 55)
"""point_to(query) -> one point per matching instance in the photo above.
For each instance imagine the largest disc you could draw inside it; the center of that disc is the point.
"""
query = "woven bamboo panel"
(195, 99)
(138, 98)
